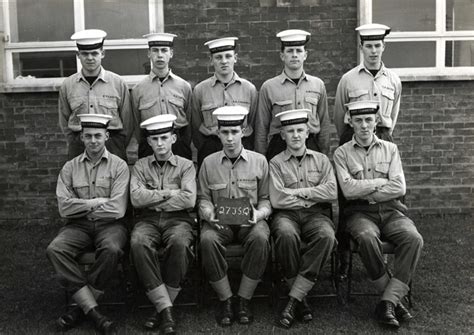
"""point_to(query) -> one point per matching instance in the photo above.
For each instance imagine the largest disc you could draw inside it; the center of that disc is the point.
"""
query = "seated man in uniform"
(370, 173)
(162, 189)
(92, 194)
(301, 180)
(232, 173)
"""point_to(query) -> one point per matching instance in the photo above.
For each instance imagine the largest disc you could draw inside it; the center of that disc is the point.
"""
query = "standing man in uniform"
(163, 92)
(92, 194)
(370, 174)
(370, 80)
(292, 89)
(93, 90)
(224, 88)
(162, 190)
(234, 172)
(302, 182)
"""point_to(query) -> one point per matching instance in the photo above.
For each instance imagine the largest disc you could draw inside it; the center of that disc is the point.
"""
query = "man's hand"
(100, 202)
(215, 222)
(255, 217)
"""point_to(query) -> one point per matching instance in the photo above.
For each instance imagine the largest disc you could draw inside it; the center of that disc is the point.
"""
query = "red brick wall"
(435, 132)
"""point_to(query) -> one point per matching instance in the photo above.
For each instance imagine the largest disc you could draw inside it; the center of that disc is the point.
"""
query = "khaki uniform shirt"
(359, 84)
(152, 97)
(81, 182)
(247, 177)
(375, 174)
(301, 184)
(107, 95)
(150, 184)
(280, 94)
(211, 94)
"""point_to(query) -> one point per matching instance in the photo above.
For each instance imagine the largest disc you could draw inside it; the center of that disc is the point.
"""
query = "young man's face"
(224, 61)
(231, 138)
(295, 135)
(161, 144)
(293, 57)
(364, 126)
(160, 57)
(91, 60)
(94, 139)
(372, 52)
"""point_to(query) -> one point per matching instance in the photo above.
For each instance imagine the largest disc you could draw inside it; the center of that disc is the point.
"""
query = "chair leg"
(349, 277)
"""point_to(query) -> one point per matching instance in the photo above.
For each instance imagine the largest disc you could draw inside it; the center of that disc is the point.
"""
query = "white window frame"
(440, 36)
(11, 84)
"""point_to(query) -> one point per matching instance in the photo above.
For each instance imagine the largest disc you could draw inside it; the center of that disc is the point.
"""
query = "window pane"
(127, 62)
(405, 15)
(459, 15)
(459, 53)
(119, 18)
(44, 64)
(410, 54)
(45, 20)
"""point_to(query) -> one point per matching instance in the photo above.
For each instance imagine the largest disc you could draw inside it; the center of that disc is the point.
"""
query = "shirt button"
(93, 182)
(233, 182)
(368, 170)
(375, 94)
(92, 106)
(301, 180)
(232, 197)
(299, 103)
(225, 103)
(162, 100)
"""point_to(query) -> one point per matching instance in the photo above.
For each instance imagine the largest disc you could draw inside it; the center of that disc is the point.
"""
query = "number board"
(233, 211)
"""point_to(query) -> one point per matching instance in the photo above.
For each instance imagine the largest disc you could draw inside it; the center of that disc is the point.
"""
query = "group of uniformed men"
(225, 117)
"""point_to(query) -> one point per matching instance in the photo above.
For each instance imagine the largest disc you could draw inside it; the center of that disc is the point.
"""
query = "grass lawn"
(31, 298)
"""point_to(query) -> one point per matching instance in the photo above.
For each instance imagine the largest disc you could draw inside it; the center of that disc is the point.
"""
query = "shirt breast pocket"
(381, 169)
(81, 189)
(148, 109)
(290, 181)
(172, 184)
(356, 171)
(208, 119)
(312, 104)
(176, 106)
(108, 107)
(356, 95)
(103, 187)
(387, 105)
(314, 178)
(249, 189)
(281, 106)
(218, 190)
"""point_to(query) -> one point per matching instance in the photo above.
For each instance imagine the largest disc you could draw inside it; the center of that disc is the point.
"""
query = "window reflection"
(127, 62)
(410, 54)
(44, 64)
(459, 53)
(405, 15)
(459, 15)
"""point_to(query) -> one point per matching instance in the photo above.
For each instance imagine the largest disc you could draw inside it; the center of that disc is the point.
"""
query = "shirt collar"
(153, 75)
(105, 155)
(243, 155)
(375, 141)
(101, 75)
(383, 69)
(235, 78)
(173, 160)
(287, 154)
(283, 77)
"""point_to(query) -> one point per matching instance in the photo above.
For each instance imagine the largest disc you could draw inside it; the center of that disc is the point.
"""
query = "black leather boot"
(167, 324)
(402, 313)
(304, 311)
(287, 316)
(225, 315)
(385, 314)
(71, 319)
(102, 323)
(244, 314)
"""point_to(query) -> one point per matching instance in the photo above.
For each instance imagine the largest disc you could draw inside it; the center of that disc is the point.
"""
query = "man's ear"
(350, 122)
(107, 135)
(174, 138)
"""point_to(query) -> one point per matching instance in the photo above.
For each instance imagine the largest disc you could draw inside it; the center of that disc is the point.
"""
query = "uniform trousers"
(304, 240)
(115, 144)
(370, 224)
(78, 235)
(277, 145)
(255, 240)
(171, 231)
(182, 146)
